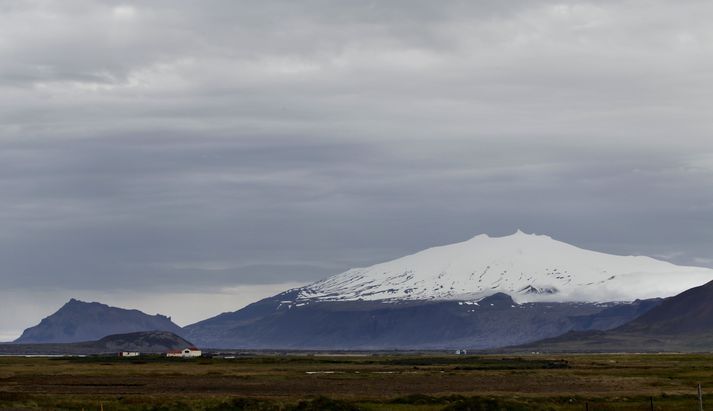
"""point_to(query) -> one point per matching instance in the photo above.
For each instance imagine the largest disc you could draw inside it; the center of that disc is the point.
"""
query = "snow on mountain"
(528, 267)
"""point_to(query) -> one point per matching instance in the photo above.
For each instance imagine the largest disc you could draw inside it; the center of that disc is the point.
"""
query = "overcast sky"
(192, 157)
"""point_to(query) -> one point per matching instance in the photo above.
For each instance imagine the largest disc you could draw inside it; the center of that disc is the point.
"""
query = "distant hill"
(144, 342)
(82, 321)
(680, 323)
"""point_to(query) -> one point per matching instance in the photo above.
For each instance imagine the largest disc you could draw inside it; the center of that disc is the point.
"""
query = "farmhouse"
(190, 352)
(129, 354)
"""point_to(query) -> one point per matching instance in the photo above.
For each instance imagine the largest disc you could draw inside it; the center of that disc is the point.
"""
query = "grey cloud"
(234, 142)
(107, 214)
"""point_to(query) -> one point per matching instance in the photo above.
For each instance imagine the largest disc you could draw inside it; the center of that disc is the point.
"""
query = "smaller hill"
(687, 313)
(144, 342)
(78, 321)
(680, 323)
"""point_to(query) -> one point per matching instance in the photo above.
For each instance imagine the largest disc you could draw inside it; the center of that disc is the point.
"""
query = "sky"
(189, 158)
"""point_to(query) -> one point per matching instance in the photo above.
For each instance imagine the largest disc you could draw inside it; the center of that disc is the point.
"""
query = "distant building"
(129, 354)
(461, 352)
(190, 352)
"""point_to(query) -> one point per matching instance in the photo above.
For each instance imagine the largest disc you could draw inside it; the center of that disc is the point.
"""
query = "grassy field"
(372, 382)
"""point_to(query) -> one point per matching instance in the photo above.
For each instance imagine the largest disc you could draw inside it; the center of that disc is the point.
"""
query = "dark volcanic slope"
(495, 321)
(81, 321)
(680, 323)
(615, 315)
(689, 312)
(145, 342)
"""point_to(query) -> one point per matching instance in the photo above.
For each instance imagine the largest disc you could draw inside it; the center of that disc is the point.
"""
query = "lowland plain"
(353, 382)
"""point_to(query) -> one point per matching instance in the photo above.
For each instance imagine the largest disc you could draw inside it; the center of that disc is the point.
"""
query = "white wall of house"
(185, 353)
(189, 352)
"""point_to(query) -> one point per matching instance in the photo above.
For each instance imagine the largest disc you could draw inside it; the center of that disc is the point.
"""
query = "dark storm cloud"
(172, 145)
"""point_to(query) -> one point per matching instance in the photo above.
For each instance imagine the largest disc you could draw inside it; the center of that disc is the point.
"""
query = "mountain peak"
(517, 235)
(73, 304)
(521, 234)
(500, 299)
(76, 302)
(529, 267)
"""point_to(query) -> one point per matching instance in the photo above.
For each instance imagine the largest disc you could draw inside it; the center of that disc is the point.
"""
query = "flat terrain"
(369, 382)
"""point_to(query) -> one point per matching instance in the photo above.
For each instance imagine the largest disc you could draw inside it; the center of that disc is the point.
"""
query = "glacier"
(528, 267)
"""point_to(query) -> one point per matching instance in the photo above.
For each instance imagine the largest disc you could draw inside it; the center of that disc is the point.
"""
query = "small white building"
(129, 354)
(190, 352)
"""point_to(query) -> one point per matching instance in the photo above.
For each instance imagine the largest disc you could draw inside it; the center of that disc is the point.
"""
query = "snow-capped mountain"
(527, 267)
(481, 293)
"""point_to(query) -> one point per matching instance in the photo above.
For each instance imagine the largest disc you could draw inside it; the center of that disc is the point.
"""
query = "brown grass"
(372, 382)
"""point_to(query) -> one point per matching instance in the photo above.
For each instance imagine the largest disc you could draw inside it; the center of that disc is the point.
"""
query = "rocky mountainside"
(143, 342)
(494, 321)
(82, 321)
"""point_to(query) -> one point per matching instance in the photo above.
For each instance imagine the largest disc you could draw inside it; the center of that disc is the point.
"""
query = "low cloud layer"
(179, 147)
